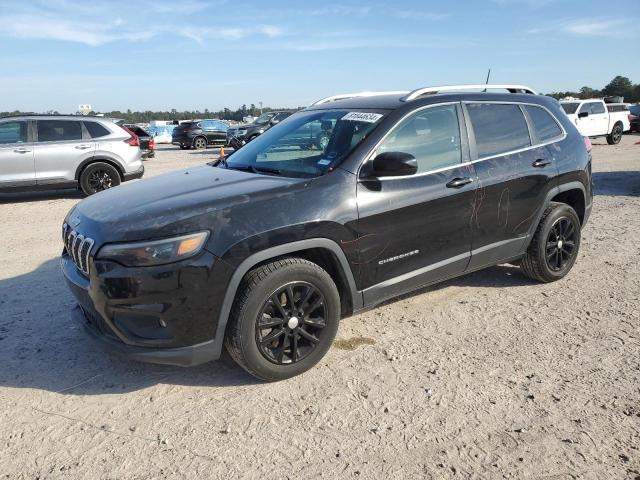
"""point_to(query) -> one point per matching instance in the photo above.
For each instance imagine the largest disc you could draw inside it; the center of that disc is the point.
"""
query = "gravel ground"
(486, 376)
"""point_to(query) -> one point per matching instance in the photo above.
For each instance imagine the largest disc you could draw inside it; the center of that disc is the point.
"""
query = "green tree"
(619, 86)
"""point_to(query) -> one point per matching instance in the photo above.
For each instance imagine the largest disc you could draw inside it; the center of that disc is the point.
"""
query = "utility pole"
(260, 107)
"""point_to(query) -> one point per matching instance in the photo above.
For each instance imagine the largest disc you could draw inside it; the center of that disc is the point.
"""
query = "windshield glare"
(307, 144)
(264, 118)
(569, 108)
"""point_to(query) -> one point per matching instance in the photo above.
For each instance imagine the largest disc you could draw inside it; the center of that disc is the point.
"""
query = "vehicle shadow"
(41, 348)
(24, 197)
(619, 184)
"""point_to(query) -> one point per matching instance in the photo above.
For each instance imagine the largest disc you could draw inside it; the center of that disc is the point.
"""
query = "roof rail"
(453, 88)
(345, 96)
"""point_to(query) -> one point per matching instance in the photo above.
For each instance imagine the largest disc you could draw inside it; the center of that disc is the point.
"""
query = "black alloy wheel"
(290, 323)
(100, 180)
(616, 135)
(561, 244)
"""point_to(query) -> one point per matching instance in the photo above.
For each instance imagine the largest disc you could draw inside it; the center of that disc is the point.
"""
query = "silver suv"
(44, 152)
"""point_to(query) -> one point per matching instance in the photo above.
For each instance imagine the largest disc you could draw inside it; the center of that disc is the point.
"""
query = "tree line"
(619, 86)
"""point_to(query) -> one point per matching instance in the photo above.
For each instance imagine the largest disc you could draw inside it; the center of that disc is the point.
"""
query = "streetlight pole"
(260, 108)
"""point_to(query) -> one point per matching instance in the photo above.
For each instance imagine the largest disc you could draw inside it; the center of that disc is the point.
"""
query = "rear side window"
(96, 130)
(544, 125)
(597, 107)
(432, 136)
(59, 130)
(13, 132)
(499, 128)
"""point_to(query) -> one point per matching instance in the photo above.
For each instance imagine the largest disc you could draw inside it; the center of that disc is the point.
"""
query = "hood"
(174, 203)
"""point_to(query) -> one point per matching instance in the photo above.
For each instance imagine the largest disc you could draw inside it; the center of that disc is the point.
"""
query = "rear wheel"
(554, 247)
(97, 177)
(200, 143)
(616, 134)
(284, 319)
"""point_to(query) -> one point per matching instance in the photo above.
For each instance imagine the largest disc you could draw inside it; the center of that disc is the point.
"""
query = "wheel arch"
(575, 198)
(322, 251)
(97, 159)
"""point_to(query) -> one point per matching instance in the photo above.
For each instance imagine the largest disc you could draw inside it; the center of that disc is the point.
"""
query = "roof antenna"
(487, 81)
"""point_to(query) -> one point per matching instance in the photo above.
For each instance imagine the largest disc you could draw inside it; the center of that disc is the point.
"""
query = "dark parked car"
(199, 134)
(239, 136)
(634, 116)
(147, 143)
(265, 251)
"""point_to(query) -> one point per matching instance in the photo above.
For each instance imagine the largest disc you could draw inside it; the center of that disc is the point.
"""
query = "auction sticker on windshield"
(362, 117)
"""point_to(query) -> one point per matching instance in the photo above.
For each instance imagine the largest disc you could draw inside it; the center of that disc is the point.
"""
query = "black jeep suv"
(199, 134)
(268, 249)
(238, 136)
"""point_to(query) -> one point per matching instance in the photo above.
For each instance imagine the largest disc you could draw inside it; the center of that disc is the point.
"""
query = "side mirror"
(583, 114)
(392, 164)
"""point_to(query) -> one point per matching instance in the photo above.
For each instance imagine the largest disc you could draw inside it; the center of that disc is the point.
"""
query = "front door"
(215, 131)
(16, 155)
(415, 230)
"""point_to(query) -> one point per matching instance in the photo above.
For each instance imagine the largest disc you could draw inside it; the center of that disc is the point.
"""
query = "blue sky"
(196, 54)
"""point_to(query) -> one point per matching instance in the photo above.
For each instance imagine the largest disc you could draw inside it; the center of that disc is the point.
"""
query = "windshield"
(264, 118)
(307, 144)
(569, 108)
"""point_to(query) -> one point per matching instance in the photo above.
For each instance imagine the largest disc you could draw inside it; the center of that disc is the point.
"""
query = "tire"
(97, 177)
(263, 296)
(199, 143)
(555, 245)
(616, 134)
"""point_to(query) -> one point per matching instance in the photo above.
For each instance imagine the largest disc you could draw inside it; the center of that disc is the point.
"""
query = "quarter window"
(432, 136)
(544, 126)
(59, 130)
(13, 132)
(498, 128)
(96, 130)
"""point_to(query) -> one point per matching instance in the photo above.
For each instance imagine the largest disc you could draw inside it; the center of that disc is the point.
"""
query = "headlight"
(157, 252)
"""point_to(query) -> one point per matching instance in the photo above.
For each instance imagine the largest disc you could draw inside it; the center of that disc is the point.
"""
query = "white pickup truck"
(594, 119)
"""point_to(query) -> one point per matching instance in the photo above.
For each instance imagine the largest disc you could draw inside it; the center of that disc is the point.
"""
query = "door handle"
(21, 150)
(83, 147)
(541, 163)
(459, 182)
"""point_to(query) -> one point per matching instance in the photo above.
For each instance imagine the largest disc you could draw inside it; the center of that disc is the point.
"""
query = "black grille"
(78, 247)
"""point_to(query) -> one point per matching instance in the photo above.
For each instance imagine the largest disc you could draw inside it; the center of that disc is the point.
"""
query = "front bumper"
(164, 314)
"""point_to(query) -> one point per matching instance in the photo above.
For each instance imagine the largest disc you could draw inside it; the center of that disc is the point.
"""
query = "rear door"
(16, 155)
(514, 175)
(61, 146)
(215, 131)
(599, 118)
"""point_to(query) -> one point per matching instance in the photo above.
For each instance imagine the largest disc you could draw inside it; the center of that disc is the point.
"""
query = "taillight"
(133, 140)
(630, 117)
(587, 144)
(152, 144)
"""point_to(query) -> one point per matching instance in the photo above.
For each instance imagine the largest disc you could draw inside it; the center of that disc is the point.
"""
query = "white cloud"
(598, 27)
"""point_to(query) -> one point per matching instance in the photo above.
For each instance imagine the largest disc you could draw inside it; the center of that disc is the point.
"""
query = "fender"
(273, 252)
(550, 194)
(99, 158)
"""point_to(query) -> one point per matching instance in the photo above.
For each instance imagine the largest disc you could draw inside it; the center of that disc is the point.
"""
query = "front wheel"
(284, 319)
(97, 177)
(616, 135)
(554, 247)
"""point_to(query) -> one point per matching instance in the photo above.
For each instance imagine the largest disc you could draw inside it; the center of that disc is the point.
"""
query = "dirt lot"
(486, 376)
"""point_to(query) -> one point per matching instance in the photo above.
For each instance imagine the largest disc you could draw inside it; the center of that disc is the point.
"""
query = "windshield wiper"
(253, 169)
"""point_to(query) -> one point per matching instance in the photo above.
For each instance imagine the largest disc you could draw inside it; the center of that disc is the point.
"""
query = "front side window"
(307, 144)
(432, 136)
(13, 132)
(569, 108)
(499, 128)
(544, 124)
(59, 130)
